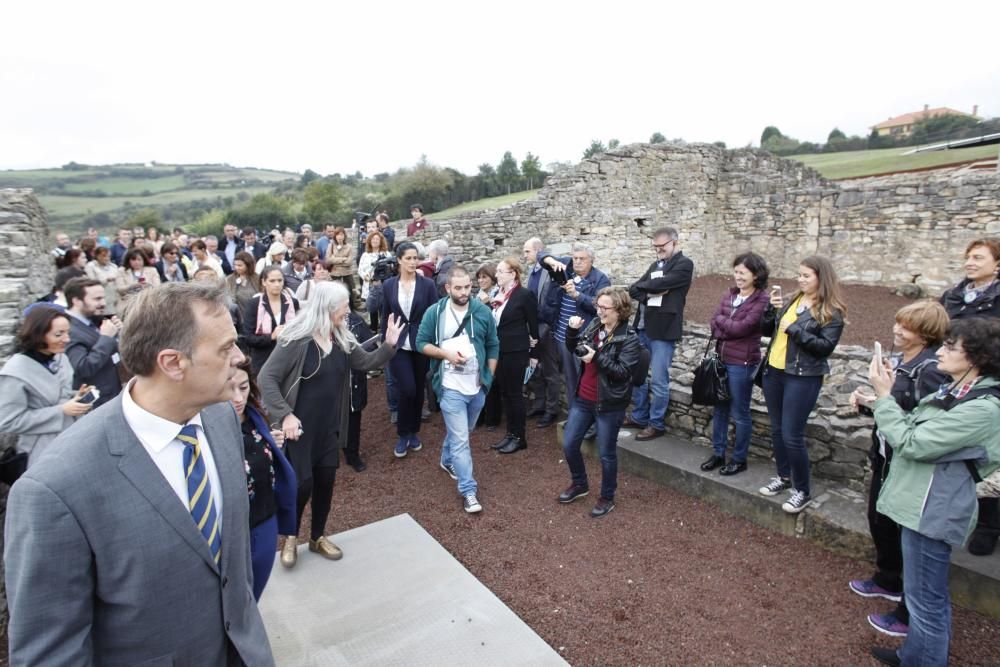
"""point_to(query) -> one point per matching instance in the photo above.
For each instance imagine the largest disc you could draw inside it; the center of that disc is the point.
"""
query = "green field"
(70, 209)
(128, 186)
(483, 204)
(855, 164)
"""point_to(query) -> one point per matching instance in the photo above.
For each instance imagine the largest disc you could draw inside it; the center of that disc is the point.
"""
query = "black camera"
(558, 277)
(581, 351)
(385, 268)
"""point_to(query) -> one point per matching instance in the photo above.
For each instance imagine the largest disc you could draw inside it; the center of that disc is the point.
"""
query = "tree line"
(925, 131)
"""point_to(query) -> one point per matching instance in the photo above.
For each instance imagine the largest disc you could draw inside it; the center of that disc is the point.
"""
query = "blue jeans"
(790, 399)
(740, 391)
(460, 413)
(390, 390)
(645, 412)
(925, 580)
(582, 414)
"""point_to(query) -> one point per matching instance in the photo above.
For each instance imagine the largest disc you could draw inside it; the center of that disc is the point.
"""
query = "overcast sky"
(371, 86)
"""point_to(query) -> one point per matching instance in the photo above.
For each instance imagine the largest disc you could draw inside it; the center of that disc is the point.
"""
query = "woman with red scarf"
(515, 310)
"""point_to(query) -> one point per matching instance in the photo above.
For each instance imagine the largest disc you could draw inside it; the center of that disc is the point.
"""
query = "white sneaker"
(775, 486)
(796, 502)
(471, 504)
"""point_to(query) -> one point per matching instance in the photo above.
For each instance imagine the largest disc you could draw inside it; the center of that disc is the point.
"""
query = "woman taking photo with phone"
(804, 331)
(37, 400)
(940, 450)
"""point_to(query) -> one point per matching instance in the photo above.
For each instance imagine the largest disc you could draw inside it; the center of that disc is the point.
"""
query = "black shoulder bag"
(711, 380)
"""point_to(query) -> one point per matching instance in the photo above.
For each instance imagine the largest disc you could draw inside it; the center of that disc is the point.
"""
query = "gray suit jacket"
(91, 356)
(104, 565)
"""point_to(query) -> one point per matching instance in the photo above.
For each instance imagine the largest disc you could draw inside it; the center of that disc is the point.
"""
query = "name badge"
(116, 358)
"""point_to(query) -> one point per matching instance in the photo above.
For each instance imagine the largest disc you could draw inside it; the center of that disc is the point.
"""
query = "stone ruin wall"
(883, 231)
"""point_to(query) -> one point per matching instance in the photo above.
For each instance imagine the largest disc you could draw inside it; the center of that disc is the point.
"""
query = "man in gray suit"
(545, 383)
(93, 348)
(128, 541)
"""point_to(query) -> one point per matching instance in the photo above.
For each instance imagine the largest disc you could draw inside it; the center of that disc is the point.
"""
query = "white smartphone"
(878, 353)
(776, 290)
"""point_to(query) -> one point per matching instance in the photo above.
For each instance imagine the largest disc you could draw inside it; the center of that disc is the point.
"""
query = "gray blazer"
(31, 401)
(105, 566)
(92, 357)
(281, 377)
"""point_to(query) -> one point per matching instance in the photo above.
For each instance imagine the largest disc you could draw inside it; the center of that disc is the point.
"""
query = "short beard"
(460, 300)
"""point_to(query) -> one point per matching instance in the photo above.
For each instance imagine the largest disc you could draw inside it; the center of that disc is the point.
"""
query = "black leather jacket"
(615, 361)
(809, 343)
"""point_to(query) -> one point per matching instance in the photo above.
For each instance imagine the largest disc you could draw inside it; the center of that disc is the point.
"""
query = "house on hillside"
(902, 126)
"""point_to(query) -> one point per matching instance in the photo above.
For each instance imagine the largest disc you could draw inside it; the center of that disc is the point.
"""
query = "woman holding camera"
(376, 248)
(940, 450)
(37, 400)
(804, 332)
(919, 329)
(306, 386)
(135, 273)
(609, 350)
(736, 327)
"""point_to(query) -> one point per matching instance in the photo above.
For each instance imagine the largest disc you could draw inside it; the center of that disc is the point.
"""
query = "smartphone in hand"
(92, 395)
(878, 354)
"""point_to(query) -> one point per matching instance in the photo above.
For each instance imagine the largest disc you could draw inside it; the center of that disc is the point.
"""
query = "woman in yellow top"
(804, 332)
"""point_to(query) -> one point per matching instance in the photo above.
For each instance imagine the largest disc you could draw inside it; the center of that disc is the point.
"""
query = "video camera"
(385, 268)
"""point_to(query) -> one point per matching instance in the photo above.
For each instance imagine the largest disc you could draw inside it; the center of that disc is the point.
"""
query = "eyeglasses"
(951, 346)
(661, 246)
(604, 309)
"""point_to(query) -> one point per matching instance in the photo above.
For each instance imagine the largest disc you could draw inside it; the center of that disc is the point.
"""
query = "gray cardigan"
(30, 402)
(280, 376)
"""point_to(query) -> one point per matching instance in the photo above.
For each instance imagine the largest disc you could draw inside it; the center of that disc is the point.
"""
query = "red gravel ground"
(664, 579)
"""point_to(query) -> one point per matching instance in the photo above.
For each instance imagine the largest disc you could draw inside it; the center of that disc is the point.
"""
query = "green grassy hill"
(71, 196)
(483, 204)
(855, 164)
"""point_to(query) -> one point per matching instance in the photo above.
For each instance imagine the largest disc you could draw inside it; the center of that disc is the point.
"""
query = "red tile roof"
(914, 116)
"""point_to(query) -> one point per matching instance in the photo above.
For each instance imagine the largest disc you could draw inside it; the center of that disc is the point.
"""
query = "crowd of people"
(271, 343)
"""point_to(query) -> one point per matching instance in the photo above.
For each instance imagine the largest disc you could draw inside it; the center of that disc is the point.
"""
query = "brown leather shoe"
(326, 549)
(648, 433)
(289, 551)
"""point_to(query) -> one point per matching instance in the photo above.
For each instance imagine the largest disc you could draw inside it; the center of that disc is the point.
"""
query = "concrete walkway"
(396, 598)
(836, 519)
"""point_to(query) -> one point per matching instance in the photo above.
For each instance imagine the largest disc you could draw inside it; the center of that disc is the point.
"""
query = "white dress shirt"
(159, 438)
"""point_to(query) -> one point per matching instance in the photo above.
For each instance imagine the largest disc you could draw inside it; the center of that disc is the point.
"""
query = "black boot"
(503, 443)
(984, 537)
(515, 444)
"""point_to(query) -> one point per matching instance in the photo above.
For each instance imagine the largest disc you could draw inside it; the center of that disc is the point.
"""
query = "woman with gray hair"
(305, 387)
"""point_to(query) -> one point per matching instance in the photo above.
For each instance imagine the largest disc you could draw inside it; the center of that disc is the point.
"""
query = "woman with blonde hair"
(305, 385)
(376, 248)
(804, 331)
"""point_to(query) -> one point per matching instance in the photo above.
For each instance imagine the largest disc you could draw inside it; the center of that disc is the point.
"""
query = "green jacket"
(930, 489)
(482, 331)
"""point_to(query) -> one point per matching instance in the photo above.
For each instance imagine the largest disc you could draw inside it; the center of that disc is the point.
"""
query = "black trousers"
(409, 370)
(352, 453)
(546, 381)
(320, 490)
(886, 536)
(510, 378)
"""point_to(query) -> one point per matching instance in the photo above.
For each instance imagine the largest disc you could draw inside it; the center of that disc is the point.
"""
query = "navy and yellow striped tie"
(201, 502)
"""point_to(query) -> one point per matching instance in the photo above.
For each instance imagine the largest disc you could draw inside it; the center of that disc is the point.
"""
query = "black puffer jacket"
(987, 305)
(615, 361)
(809, 343)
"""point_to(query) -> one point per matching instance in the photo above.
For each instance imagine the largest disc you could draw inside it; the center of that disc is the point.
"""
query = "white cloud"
(372, 86)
